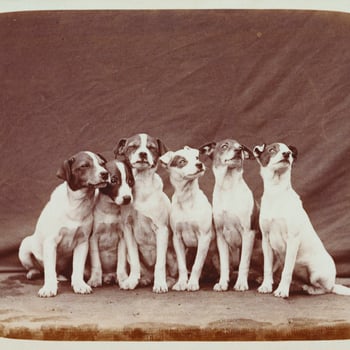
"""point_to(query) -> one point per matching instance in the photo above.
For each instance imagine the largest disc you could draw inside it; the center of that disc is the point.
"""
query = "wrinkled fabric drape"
(81, 80)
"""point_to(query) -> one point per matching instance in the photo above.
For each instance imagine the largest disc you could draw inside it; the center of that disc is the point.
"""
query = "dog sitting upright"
(191, 214)
(287, 231)
(112, 238)
(233, 206)
(152, 207)
(65, 224)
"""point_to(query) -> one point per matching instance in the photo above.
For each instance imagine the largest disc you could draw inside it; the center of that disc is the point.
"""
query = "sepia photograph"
(175, 174)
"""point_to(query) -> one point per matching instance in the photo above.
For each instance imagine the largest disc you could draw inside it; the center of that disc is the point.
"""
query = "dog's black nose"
(286, 154)
(199, 166)
(104, 175)
(126, 199)
(143, 155)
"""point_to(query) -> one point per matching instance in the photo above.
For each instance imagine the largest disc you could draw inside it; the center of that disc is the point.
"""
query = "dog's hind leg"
(312, 290)
(26, 257)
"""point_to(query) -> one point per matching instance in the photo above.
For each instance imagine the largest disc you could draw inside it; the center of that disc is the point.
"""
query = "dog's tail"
(341, 290)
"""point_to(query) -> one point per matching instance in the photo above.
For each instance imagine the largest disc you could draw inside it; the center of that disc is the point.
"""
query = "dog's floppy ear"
(102, 157)
(161, 147)
(294, 152)
(208, 149)
(166, 158)
(65, 171)
(247, 153)
(119, 148)
(257, 150)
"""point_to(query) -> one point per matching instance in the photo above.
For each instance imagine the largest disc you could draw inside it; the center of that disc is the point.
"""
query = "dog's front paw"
(48, 290)
(122, 276)
(221, 287)
(192, 286)
(95, 281)
(180, 286)
(129, 283)
(160, 287)
(81, 288)
(281, 292)
(265, 288)
(241, 286)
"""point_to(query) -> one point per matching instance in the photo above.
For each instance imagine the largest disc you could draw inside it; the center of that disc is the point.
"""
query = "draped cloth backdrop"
(81, 80)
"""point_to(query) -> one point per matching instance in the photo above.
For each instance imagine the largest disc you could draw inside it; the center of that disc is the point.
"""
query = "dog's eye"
(182, 162)
(130, 182)
(152, 147)
(132, 147)
(85, 165)
(224, 147)
(114, 179)
(271, 150)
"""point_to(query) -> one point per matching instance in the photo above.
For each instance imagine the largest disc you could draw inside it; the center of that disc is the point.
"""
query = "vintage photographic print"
(175, 175)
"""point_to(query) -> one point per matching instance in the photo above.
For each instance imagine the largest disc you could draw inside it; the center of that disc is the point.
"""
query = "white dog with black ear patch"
(287, 231)
(233, 206)
(112, 238)
(190, 215)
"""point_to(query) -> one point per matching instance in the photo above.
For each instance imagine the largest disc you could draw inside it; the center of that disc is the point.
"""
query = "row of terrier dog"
(116, 213)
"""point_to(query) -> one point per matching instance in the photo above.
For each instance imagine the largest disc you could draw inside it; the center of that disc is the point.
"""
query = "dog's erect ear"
(294, 152)
(166, 158)
(119, 149)
(257, 150)
(65, 171)
(208, 149)
(161, 147)
(247, 153)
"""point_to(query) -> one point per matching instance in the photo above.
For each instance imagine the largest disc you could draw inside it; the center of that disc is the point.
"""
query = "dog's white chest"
(144, 230)
(279, 219)
(70, 237)
(109, 234)
(189, 233)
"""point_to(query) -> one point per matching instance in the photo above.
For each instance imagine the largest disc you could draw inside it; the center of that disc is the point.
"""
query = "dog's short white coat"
(190, 216)
(63, 227)
(289, 235)
(233, 205)
(116, 234)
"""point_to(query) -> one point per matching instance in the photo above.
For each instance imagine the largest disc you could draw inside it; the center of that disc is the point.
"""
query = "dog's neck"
(81, 200)
(105, 204)
(227, 178)
(276, 181)
(147, 182)
(185, 190)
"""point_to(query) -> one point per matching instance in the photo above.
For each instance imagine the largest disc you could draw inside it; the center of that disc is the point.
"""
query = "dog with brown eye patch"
(151, 210)
(287, 232)
(233, 209)
(112, 238)
(191, 214)
(64, 226)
